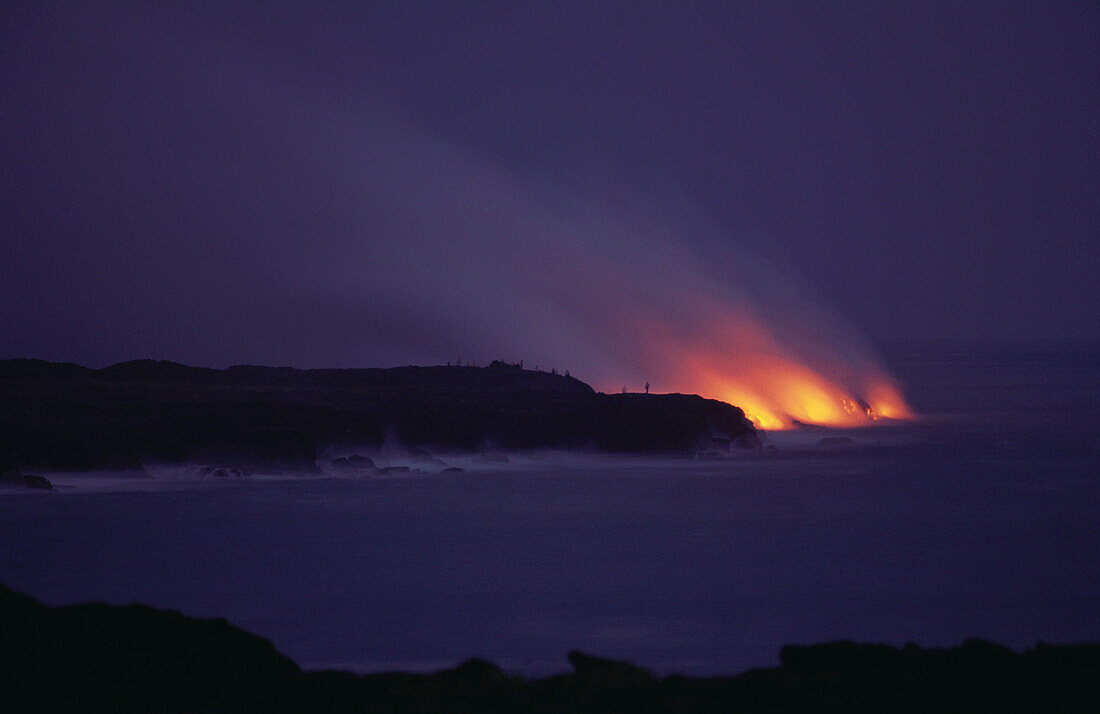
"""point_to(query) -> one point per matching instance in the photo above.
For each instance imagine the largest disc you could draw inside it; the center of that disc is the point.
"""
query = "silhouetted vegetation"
(95, 658)
(62, 416)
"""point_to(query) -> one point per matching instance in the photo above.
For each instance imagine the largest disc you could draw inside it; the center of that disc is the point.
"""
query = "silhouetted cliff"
(94, 658)
(64, 416)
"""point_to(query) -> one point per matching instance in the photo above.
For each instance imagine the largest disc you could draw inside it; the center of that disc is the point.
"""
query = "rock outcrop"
(66, 417)
(134, 658)
(13, 478)
(94, 657)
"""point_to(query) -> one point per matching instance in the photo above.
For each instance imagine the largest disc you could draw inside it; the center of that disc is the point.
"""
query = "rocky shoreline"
(66, 417)
(95, 657)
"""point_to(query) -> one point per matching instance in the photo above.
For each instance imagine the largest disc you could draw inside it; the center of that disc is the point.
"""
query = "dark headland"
(95, 658)
(68, 417)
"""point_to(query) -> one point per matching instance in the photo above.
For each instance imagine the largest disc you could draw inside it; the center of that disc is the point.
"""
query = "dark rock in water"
(835, 441)
(453, 470)
(41, 482)
(395, 469)
(13, 477)
(354, 463)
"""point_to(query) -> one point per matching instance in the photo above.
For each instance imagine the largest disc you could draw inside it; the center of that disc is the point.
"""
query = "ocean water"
(979, 520)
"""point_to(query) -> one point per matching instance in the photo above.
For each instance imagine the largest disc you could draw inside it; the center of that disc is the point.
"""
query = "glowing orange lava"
(748, 368)
(779, 394)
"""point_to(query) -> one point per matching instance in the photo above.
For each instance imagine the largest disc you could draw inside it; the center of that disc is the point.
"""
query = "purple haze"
(382, 183)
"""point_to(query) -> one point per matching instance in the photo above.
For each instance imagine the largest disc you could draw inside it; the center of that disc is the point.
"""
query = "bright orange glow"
(745, 366)
(780, 393)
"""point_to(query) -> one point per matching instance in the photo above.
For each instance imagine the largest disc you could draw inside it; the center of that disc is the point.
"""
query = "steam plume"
(608, 286)
(246, 217)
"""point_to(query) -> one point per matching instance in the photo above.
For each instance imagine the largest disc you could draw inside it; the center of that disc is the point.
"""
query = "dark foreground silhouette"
(63, 416)
(95, 657)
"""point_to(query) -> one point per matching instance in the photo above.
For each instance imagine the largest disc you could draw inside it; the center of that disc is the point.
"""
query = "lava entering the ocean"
(740, 360)
(778, 394)
(784, 395)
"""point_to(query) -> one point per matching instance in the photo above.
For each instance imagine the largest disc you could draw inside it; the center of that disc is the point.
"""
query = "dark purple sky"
(304, 184)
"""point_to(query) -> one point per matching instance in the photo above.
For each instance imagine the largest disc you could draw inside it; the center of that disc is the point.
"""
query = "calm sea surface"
(981, 520)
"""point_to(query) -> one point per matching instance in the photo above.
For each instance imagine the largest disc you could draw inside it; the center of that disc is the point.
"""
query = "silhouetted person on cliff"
(647, 387)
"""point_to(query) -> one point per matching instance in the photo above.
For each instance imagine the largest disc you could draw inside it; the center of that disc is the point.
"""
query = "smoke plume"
(218, 210)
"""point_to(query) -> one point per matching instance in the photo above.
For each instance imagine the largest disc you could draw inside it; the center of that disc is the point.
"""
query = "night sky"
(393, 182)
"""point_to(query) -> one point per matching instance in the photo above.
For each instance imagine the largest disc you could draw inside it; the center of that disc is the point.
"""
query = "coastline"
(62, 417)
